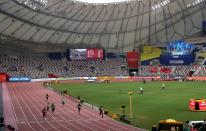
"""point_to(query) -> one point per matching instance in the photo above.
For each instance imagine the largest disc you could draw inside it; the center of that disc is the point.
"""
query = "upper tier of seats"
(41, 66)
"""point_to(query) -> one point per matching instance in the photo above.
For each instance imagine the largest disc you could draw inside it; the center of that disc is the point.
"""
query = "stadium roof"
(122, 26)
(102, 1)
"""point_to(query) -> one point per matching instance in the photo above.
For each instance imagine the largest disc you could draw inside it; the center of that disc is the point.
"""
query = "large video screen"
(179, 47)
(76, 54)
(95, 53)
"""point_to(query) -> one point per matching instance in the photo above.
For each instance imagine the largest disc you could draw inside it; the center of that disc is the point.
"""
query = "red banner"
(3, 78)
(132, 59)
(94, 53)
(165, 70)
(52, 75)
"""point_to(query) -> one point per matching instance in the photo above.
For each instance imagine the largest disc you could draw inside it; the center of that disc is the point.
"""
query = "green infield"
(148, 108)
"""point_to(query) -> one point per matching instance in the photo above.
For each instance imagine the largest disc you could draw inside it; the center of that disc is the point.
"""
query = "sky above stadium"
(102, 1)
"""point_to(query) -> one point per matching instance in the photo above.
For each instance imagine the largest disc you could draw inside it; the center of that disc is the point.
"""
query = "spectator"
(203, 127)
(101, 111)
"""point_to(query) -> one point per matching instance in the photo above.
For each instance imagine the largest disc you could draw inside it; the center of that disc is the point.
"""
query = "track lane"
(37, 111)
(65, 118)
(20, 113)
(40, 95)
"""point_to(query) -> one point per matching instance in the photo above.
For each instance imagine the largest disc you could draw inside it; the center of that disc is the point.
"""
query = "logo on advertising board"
(192, 104)
(19, 79)
(202, 105)
(175, 56)
(176, 61)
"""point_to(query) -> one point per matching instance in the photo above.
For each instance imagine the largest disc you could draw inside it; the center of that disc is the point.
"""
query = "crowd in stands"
(42, 66)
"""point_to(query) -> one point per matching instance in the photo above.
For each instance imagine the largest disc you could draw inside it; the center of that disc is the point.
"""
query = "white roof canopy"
(114, 26)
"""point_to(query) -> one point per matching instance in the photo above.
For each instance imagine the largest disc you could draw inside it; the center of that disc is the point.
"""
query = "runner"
(63, 101)
(79, 106)
(47, 97)
(53, 107)
(48, 106)
(44, 112)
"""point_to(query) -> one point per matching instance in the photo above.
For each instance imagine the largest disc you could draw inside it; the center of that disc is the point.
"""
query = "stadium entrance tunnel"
(133, 72)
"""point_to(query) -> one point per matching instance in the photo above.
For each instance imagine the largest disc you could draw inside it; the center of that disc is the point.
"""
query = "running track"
(28, 99)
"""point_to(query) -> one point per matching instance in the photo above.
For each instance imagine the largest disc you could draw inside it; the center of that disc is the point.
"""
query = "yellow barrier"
(202, 54)
(105, 78)
(114, 116)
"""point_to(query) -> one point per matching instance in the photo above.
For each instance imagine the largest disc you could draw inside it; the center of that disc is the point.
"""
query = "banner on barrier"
(65, 78)
(19, 79)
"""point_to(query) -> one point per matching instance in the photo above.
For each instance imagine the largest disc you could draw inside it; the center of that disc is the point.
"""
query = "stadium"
(102, 65)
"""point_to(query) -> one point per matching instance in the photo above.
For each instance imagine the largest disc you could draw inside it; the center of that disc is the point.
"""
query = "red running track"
(28, 100)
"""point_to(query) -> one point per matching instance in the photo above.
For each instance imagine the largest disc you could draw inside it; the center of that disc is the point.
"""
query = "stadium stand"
(43, 67)
(38, 39)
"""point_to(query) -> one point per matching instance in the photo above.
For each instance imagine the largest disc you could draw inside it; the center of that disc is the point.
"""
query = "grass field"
(148, 108)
